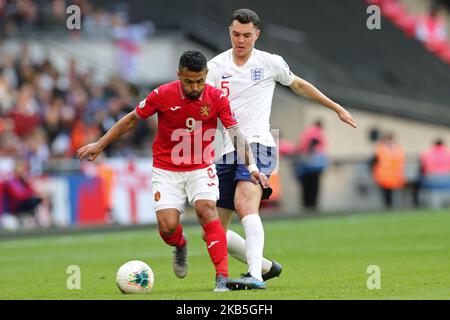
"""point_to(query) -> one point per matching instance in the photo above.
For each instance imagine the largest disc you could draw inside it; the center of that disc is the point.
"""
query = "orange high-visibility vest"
(388, 170)
(107, 175)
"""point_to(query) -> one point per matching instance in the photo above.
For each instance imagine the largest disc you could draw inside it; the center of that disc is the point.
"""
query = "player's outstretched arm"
(244, 151)
(305, 89)
(92, 150)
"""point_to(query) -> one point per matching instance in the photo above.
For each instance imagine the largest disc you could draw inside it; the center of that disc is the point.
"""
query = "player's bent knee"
(206, 210)
(168, 220)
(248, 199)
(167, 229)
(244, 208)
(167, 226)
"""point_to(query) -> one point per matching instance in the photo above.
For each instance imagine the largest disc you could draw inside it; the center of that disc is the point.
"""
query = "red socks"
(176, 239)
(216, 242)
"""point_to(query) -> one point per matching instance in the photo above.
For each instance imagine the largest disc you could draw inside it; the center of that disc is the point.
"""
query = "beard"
(193, 95)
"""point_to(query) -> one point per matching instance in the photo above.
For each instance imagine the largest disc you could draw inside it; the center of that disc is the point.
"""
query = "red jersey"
(186, 127)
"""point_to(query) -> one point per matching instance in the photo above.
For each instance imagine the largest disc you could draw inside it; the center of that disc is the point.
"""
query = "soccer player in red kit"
(183, 159)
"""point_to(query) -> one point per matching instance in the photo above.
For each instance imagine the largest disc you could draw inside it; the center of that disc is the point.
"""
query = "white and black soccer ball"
(135, 277)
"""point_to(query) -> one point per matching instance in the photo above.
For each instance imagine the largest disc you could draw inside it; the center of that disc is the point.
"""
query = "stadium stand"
(387, 62)
(325, 40)
(54, 103)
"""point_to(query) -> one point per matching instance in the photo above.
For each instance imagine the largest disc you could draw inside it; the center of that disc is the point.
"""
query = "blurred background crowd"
(48, 113)
(53, 102)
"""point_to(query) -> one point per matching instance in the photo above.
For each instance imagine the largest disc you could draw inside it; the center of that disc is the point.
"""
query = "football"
(135, 277)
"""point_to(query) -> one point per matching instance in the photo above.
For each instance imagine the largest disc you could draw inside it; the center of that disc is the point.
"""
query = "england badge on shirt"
(257, 74)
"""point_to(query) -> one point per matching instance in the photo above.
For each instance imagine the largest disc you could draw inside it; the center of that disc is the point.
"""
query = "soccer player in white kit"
(247, 76)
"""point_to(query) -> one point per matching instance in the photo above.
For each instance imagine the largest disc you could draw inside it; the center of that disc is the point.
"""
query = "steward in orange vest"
(389, 165)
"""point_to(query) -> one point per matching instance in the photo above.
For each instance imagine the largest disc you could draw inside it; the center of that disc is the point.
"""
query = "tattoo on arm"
(241, 145)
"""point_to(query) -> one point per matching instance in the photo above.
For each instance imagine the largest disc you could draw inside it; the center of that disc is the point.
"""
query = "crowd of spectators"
(22, 16)
(47, 113)
(19, 17)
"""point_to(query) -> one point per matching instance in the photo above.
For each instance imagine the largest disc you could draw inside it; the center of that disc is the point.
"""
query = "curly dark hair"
(245, 16)
(193, 61)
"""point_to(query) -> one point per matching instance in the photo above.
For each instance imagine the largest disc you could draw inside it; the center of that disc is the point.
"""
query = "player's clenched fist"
(89, 152)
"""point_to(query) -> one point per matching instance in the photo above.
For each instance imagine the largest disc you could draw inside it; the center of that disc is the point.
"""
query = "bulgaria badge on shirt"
(205, 111)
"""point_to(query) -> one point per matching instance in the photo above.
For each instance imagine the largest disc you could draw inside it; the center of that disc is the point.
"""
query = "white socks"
(236, 248)
(254, 244)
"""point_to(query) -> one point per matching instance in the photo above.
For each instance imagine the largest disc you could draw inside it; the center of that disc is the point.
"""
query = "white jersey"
(250, 90)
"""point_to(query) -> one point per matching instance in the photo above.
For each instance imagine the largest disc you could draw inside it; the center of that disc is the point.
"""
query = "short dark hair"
(245, 16)
(193, 61)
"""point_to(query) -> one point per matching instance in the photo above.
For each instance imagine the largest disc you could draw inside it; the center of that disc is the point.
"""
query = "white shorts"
(170, 188)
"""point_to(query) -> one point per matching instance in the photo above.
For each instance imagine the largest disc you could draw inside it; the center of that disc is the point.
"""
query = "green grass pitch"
(323, 258)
